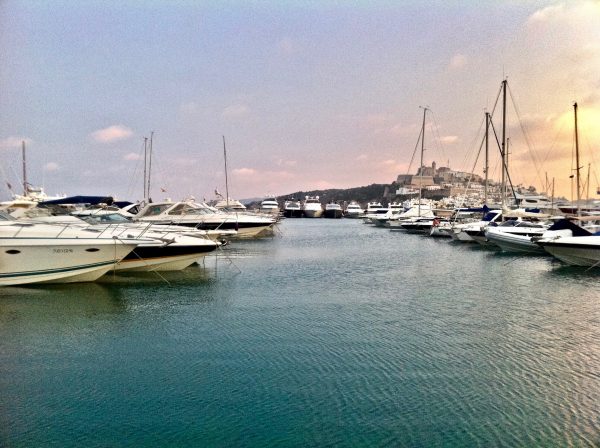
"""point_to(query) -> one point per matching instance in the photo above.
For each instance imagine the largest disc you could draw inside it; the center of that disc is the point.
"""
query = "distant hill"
(363, 195)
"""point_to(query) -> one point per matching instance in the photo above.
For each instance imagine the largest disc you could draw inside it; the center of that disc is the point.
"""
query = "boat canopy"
(565, 224)
(89, 200)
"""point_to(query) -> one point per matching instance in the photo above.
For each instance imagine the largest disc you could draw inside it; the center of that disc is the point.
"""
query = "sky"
(307, 94)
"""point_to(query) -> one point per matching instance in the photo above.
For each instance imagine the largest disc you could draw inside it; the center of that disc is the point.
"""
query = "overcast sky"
(308, 94)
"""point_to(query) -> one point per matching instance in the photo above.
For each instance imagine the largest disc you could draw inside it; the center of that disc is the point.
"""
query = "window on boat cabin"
(154, 210)
(509, 223)
(177, 210)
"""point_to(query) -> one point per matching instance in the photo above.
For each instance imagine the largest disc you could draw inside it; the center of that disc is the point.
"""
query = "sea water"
(332, 333)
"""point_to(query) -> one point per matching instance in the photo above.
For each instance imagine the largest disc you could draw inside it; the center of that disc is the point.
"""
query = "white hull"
(313, 213)
(514, 243)
(157, 264)
(50, 260)
(576, 251)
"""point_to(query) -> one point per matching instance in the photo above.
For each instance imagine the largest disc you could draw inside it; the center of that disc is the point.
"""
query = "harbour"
(329, 333)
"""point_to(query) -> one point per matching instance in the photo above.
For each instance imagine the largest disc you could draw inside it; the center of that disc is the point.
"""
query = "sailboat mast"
(145, 164)
(226, 180)
(487, 155)
(421, 169)
(503, 184)
(150, 162)
(25, 189)
(577, 167)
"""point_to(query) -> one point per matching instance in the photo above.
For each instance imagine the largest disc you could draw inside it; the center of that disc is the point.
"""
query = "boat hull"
(333, 214)
(55, 261)
(292, 213)
(514, 243)
(573, 254)
(313, 213)
(163, 258)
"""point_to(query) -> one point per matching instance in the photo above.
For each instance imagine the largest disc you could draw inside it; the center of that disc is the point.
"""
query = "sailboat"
(575, 246)
(419, 217)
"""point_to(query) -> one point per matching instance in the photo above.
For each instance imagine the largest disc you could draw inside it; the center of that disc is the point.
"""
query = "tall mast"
(150, 162)
(503, 184)
(487, 154)
(577, 167)
(145, 164)
(422, 150)
(226, 180)
(25, 189)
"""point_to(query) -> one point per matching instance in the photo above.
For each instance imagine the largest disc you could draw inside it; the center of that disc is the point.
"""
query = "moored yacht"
(354, 210)
(292, 209)
(312, 207)
(230, 205)
(201, 216)
(333, 210)
(46, 253)
(269, 206)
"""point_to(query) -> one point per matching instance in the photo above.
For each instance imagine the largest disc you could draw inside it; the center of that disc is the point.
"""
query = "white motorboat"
(394, 210)
(168, 247)
(511, 218)
(312, 207)
(466, 232)
(574, 250)
(374, 210)
(230, 205)
(333, 210)
(269, 206)
(354, 210)
(516, 236)
(47, 253)
(413, 214)
(201, 216)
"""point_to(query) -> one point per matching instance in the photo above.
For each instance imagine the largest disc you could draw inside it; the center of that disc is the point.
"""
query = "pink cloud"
(111, 134)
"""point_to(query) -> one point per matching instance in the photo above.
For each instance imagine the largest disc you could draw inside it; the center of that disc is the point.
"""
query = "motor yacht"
(354, 210)
(57, 253)
(312, 207)
(374, 210)
(201, 216)
(269, 206)
(292, 209)
(333, 210)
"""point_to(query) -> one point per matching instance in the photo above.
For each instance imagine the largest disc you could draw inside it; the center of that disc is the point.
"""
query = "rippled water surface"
(333, 333)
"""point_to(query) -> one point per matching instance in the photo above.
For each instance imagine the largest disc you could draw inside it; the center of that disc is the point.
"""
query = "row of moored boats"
(575, 240)
(42, 247)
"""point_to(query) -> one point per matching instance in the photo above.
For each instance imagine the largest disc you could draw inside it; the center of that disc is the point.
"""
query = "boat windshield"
(6, 217)
(490, 216)
(110, 218)
(155, 210)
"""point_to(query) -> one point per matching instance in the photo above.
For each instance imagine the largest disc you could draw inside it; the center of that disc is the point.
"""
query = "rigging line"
(532, 152)
(436, 133)
(134, 177)
(471, 175)
(466, 156)
(512, 188)
(552, 147)
(415, 151)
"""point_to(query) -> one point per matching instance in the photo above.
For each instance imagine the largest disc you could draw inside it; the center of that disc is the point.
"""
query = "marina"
(330, 333)
(299, 224)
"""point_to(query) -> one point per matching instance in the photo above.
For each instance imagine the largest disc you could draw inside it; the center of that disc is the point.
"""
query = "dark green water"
(333, 334)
